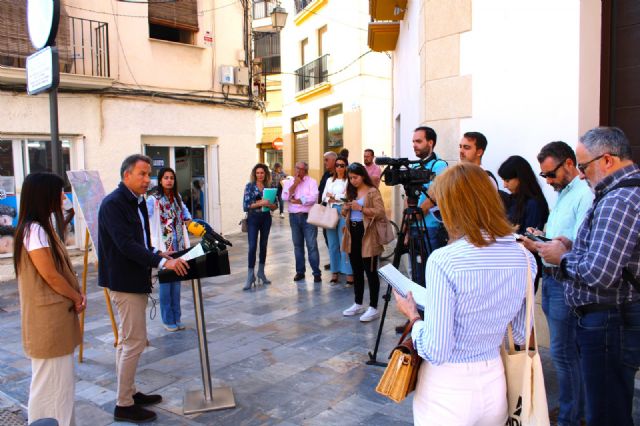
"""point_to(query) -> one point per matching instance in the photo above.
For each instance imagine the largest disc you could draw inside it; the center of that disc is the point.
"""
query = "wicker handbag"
(400, 376)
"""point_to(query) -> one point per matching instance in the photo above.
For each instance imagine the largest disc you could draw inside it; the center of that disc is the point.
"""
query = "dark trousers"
(609, 351)
(258, 223)
(362, 265)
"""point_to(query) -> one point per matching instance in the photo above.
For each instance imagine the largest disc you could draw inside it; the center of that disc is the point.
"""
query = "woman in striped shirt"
(475, 288)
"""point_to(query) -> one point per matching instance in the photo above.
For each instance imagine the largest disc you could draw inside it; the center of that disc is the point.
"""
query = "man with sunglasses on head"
(602, 269)
(558, 167)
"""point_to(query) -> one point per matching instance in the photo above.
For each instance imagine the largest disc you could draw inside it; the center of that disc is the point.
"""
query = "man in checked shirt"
(603, 266)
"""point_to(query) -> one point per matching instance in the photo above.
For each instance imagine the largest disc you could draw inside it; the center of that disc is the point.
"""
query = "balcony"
(307, 8)
(263, 8)
(301, 4)
(83, 45)
(312, 74)
(383, 36)
(387, 10)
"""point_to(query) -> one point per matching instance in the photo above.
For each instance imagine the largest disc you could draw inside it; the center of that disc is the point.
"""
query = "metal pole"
(56, 151)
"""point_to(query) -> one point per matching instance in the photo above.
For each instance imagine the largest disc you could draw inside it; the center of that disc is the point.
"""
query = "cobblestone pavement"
(285, 349)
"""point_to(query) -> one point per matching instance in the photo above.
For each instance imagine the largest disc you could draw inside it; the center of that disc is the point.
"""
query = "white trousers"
(473, 394)
(52, 391)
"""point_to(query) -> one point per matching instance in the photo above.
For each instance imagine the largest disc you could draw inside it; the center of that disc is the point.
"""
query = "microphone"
(196, 229)
(200, 228)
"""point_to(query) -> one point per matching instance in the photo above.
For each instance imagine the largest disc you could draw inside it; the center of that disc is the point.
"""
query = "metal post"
(56, 151)
(213, 398)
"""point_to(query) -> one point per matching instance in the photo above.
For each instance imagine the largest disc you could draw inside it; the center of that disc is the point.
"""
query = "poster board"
(89, 193)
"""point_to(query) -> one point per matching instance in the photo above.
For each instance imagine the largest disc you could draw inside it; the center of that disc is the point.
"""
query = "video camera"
(411, 174)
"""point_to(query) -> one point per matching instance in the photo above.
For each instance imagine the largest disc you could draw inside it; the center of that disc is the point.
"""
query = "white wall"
(524, 61)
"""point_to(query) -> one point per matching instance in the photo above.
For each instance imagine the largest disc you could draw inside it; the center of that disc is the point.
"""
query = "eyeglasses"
(342, 166)
(583, 167)
(552, 173)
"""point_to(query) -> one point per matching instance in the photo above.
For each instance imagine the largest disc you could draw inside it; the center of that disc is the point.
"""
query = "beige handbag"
(526, 394)
(323, 216)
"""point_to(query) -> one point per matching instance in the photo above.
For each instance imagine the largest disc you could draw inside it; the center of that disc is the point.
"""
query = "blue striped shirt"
(472, 295)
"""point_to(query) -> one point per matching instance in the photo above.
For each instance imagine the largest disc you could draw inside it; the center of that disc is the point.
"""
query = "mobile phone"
(345, 200)
(538, 238)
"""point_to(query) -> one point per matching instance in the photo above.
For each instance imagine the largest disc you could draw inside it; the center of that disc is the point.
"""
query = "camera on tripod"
(399, 171)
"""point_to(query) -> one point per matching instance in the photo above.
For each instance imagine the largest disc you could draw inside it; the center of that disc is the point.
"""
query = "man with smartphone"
(558, 167)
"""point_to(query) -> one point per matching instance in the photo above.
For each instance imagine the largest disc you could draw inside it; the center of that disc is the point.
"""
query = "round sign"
(42, 20)
(277, 143)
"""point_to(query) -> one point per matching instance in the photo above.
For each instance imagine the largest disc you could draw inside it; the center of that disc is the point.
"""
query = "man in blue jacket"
(125, 261)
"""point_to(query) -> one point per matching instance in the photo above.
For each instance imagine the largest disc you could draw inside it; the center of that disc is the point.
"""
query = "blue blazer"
(124, 261)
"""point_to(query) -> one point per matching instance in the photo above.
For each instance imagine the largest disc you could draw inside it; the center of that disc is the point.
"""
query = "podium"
(212, 263)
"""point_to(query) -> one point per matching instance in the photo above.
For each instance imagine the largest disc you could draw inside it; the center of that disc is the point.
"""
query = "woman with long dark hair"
(363, 208)
(528, 207)
(168, 217)
(258, 221)
(50, 299)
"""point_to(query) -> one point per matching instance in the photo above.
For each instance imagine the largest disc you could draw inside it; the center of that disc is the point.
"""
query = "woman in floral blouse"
(168, 217)
(258, 221)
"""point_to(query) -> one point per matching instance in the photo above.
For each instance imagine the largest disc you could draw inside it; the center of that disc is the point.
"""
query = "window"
(304, 56)
(300, 139)
(333, 127)
(322, 41)
(174, 21)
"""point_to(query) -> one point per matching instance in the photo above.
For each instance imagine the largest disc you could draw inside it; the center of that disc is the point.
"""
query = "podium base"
(195, 402)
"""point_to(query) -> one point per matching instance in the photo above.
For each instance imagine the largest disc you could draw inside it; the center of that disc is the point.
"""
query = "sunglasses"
(552, 173)
(342, 166)
(583, 167)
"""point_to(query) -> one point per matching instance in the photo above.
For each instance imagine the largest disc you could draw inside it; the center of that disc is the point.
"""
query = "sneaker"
(140, 398)
(180, 326)
(133, 414)
(281, 215)
(170, 327)
(355, 309)
(370, 315)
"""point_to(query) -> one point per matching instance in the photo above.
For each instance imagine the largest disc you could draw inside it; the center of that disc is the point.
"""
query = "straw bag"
(526, 395)
(323, 216)
(400, 376)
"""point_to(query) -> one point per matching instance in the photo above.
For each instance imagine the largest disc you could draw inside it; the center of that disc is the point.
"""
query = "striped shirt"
(472, 295)
(606, 243)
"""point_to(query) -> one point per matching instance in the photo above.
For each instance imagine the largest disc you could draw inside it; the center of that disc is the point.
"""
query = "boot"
(251, 280)
(261, 276)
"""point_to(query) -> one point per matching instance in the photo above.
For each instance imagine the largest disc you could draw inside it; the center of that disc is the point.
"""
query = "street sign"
(277, 144)
(43, 71)
(43, 17)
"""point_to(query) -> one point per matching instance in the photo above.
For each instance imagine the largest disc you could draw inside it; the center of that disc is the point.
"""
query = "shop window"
(333, 127)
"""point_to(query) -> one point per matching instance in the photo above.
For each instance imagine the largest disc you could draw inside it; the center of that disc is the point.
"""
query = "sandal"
(334, 279)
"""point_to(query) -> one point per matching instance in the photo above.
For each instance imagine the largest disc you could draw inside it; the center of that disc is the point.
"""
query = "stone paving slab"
(285, 349)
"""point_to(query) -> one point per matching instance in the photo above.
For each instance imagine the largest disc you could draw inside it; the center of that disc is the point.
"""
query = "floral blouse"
(251, 194)
(172, 217)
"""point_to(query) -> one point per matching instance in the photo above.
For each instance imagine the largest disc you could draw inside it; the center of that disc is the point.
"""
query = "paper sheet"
(403, 285)
(193, 253)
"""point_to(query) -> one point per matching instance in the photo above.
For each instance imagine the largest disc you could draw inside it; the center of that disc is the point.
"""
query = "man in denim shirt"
(558, 167)
(603, 266)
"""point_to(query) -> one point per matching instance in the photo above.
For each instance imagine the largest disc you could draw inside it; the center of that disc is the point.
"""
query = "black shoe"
(317, 278)
(327, 267)
(298, 277)
(141, 399)
(133, 414)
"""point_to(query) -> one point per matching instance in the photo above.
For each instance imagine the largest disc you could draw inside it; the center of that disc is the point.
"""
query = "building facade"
(169, 80)
(336, 93)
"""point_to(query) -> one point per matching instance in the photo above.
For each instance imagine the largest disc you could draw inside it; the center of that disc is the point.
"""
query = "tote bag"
(323, 216)
(526, 394)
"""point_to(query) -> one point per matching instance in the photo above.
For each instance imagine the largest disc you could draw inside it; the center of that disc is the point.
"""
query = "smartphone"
(345, 200)
(538, 238)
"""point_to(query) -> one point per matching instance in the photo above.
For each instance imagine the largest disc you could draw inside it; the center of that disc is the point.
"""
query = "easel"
(85, 271)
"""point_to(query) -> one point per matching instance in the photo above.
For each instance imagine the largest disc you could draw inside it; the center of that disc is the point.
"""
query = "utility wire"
(124, 55)
(124, 15)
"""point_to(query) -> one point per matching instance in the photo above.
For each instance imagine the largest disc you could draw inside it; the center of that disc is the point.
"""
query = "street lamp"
(278, 18)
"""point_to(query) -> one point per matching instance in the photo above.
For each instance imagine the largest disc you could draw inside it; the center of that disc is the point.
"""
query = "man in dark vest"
(125, 261)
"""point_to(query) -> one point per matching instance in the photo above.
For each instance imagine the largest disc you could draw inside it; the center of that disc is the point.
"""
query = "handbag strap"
(529, 327)
(407, 329)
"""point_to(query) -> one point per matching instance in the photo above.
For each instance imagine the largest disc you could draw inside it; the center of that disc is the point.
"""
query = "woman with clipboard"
(258, 203)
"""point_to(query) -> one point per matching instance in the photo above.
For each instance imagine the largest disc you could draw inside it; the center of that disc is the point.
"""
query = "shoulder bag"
(526, 394)
(243, 224)
(323, 216)
(400, 377)
(385, 231)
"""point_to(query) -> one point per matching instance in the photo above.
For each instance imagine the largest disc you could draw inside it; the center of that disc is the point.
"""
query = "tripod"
(418, 248)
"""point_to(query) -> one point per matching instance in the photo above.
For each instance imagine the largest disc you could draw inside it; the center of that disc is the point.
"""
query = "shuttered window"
(181, 14)
(301, 139)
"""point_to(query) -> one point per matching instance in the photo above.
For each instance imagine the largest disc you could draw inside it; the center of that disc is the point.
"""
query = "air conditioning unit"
(241, 75)
(227, 74)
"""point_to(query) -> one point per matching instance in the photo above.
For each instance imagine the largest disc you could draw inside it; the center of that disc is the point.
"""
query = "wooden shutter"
(181, 14)
(14, 39)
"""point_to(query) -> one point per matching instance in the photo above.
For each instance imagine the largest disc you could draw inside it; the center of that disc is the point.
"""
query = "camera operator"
(424, 142)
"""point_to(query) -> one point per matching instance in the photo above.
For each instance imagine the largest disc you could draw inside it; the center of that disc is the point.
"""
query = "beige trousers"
(133, 339)
(52, 391)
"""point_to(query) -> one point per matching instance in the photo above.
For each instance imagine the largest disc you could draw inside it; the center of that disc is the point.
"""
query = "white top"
(37, 238)
(337, 187)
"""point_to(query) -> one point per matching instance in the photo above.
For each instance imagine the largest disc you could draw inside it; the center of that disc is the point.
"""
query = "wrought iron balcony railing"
(263, 8)
(267, 45)
(312, 73)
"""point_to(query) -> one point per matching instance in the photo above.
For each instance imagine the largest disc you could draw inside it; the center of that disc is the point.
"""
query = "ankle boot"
(251, 280)
(261, 276)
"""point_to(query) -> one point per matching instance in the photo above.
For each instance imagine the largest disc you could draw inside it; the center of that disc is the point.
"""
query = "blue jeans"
(609, 351)
(170, 303)
(564, 351)
(301, 233)
(258, 223)
(338, 259)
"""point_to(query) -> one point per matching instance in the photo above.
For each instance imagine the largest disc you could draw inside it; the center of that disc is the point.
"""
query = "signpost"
(43, 69)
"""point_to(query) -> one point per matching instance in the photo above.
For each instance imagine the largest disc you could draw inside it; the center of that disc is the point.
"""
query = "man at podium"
(125, 260)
